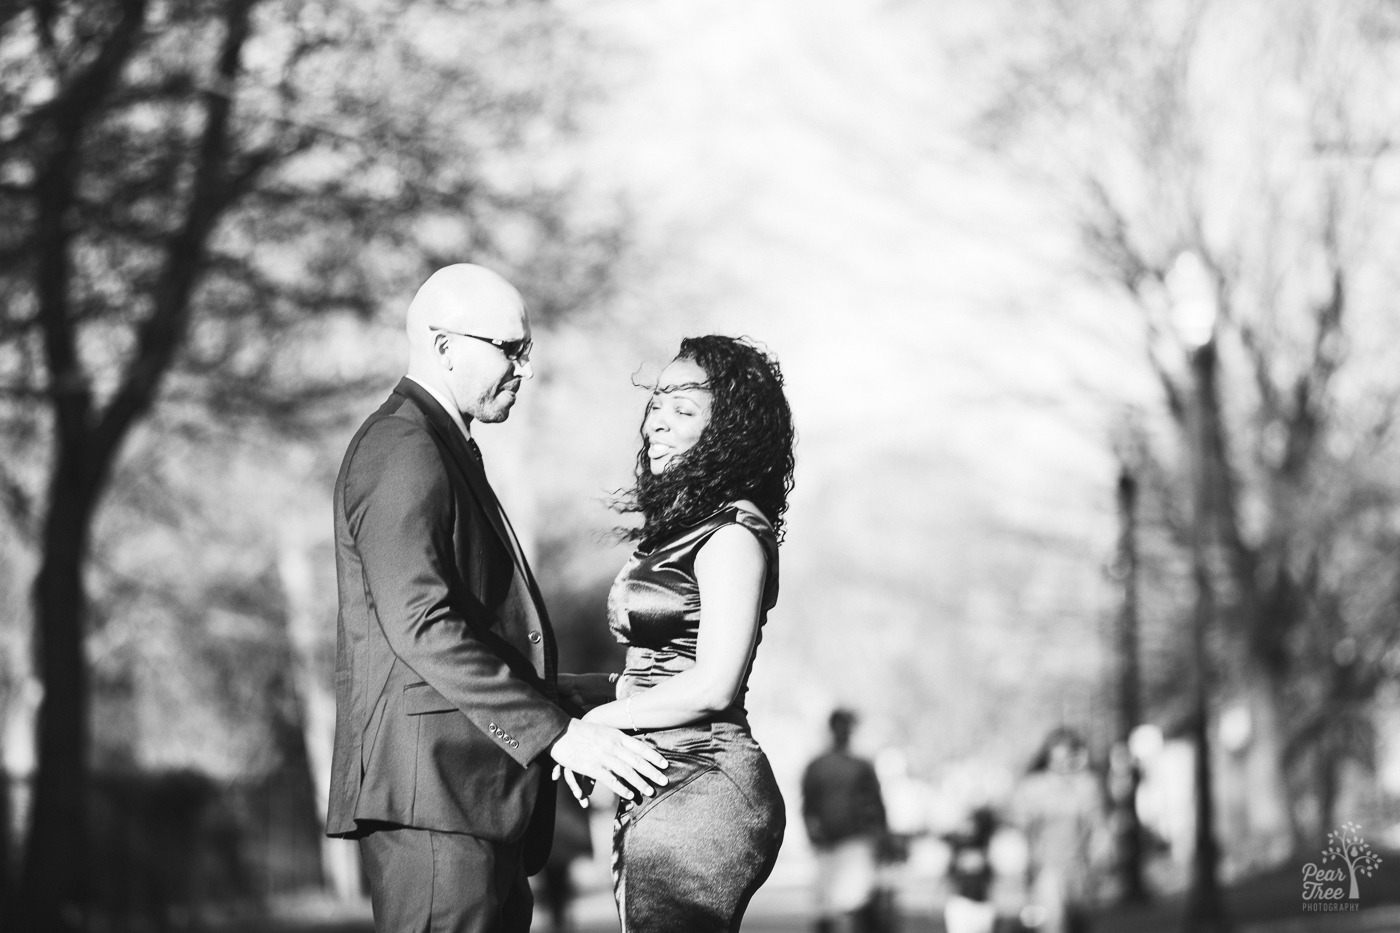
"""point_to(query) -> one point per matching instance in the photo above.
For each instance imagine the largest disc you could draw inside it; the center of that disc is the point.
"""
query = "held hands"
(625, 765)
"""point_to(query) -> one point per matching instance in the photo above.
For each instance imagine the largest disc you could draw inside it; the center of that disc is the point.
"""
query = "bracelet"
(630, 718)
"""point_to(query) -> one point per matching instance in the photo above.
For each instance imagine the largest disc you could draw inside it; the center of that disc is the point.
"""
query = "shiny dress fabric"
(689, 859)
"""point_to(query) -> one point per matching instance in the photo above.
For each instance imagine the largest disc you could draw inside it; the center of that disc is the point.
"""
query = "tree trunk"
(1327, 777)
(1270, 818)
(4, 808)
(54, 880)
(1130, 847)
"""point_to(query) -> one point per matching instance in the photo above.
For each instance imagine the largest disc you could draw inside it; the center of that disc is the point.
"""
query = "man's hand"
(625, 765)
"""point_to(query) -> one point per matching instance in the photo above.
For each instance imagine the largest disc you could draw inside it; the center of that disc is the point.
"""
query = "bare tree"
(192, 192)
(1255, 137)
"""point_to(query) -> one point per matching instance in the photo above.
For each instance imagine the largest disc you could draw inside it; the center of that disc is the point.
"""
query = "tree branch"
(1312, 387)
(1258, 356)
(24, 391)
(19, 504)
(10, 328)
(160, 334)
(55, 190)
(92, 86)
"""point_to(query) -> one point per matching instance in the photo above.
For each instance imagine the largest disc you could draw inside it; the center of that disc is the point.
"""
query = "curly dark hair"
(744, 452)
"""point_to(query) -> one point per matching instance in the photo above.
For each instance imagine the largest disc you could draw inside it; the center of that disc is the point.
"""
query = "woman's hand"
(588, 690)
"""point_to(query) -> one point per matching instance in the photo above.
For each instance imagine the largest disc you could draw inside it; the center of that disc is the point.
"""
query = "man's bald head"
(468, 299)
(449, 323)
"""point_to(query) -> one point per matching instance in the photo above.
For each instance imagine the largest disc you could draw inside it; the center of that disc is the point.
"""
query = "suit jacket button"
(535, 637)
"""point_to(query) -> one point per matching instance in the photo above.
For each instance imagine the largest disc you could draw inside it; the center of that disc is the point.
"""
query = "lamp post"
(1195, 308)
(1130, 841)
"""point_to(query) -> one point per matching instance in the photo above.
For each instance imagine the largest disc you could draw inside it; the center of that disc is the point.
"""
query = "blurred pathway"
(784, 908)
(1268, 903)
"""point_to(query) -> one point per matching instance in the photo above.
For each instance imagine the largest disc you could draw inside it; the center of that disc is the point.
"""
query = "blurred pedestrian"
(446, 712)
(712, 481)
(969, 908)
(1060, 808)
(844, 813)
(906, 799)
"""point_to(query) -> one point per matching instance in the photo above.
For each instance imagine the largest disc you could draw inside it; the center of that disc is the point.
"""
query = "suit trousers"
(423, 881)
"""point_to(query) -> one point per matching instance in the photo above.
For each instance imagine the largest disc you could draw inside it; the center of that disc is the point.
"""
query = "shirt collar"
(447, 406)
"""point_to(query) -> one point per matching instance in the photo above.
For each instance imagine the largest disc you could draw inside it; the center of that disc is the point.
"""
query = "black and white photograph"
(782, 466)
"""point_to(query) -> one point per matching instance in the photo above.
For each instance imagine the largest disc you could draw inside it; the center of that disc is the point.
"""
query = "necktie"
(522, 579)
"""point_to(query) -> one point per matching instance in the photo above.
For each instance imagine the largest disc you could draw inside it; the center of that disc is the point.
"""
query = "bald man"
(448, 719)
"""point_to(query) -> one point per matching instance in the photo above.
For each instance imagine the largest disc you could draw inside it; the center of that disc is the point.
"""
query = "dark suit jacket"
(445, 673)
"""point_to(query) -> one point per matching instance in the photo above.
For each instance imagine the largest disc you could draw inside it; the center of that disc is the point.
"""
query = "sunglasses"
(517, 351)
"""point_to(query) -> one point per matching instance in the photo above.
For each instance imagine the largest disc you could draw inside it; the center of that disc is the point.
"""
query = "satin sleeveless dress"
(689, 859)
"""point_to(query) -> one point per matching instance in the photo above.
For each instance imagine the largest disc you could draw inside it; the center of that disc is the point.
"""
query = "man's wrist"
(548, 753)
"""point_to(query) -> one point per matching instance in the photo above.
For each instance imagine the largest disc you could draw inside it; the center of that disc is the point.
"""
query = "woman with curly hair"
(713, 477)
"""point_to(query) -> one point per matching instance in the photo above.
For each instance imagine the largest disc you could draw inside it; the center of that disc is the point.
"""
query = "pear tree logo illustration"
(1345, 847)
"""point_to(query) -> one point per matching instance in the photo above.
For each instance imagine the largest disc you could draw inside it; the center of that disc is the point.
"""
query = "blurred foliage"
(1258, 137)
(366, 144)
(214, 214)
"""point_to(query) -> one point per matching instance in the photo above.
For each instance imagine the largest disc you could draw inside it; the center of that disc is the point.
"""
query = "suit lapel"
(534, 601)
(466, 464)
(480, 487)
